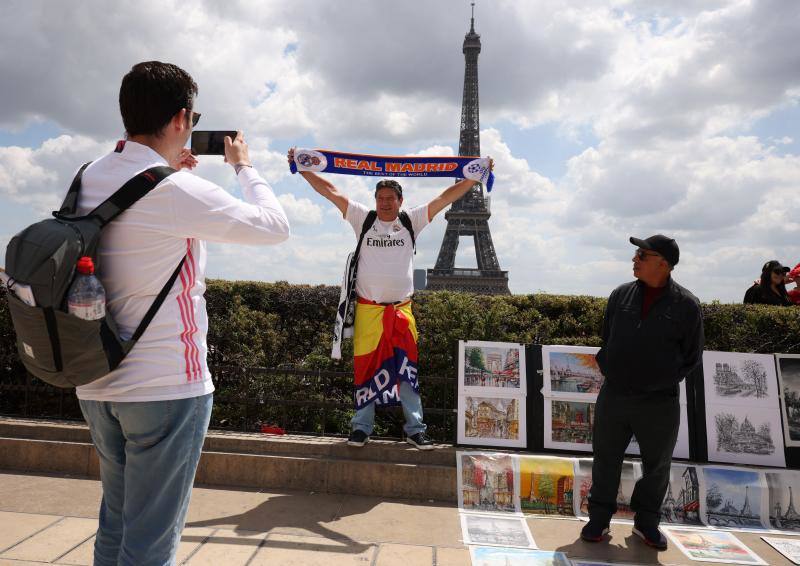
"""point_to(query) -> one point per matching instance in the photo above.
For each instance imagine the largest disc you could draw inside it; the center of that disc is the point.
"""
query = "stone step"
(319, 464)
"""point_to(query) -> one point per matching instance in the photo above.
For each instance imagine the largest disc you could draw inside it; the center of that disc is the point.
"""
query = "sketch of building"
(789, 373)
(735, 437)
(487, 485)
(749, 381)
(684, 507)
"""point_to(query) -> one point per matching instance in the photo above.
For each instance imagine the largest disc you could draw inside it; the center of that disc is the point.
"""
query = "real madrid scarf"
(324, 161)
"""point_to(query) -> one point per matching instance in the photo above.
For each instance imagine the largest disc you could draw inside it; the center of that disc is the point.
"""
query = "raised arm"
(323, 187)
(450, 195)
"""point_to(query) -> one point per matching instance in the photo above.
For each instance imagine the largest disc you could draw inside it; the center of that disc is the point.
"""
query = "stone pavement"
(52, 520)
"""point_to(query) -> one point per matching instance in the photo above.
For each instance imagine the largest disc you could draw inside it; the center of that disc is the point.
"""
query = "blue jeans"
(148, 457)
(364, 419)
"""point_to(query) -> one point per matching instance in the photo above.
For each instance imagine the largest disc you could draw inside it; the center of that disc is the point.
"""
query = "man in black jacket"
(652, 338)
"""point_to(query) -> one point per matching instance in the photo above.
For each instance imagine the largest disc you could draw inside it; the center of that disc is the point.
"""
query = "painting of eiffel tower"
(782, 512)
(469, 215)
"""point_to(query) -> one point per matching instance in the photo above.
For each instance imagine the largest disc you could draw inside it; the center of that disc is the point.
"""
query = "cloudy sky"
(605, 119)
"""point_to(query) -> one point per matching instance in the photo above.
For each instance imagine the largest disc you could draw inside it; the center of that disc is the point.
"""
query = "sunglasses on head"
(642, 254)
(778, 271)
(195, 117)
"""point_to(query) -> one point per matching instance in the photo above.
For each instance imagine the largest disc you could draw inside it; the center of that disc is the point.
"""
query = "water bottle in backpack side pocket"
(86, 297)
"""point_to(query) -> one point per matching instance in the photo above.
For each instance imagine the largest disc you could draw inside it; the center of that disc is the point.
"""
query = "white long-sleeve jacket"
(140, 250)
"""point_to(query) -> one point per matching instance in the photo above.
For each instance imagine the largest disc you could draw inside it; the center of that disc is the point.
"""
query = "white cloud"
(302, 210)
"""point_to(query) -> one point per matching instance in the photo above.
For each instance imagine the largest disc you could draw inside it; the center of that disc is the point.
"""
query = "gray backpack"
(55, 346)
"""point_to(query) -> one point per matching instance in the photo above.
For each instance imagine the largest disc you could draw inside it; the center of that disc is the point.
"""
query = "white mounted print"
(568, 424)
(492, 421)
(487, 483)
(789, 378)
(745, 435)
(733, 378)
(570, 372)
(491, 368)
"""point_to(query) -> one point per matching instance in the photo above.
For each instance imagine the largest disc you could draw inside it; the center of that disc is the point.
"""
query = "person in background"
(794, 276)
(771, 288)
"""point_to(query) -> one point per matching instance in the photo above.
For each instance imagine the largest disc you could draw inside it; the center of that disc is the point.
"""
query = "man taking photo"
(149, 416)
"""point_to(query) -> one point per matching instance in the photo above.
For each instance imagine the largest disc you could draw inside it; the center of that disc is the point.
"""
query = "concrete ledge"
(322, 465)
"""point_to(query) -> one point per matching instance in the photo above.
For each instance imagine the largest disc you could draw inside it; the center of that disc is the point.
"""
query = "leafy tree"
(547, 490)
(476, 359)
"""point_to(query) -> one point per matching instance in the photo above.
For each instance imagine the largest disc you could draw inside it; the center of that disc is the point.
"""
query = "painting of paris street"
(741, 435)
(784, 491)
(789, 377)
(732, 498)
(491, 421)
(568, 425)
(486, 482)
(681, 504)
(571, 372)
(631, 472)
(491, 368)
(733, 378)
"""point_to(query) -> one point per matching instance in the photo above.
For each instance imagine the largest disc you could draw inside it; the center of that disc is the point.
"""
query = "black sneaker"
(357, 438)
(651, 536)
(594, 531)
(420, 440)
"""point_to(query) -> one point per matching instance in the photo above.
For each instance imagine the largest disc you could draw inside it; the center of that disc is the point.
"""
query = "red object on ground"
(267, 429)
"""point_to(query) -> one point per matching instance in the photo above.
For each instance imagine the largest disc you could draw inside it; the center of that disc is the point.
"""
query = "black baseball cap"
(389, 184)
(662, 245)
(774, 265)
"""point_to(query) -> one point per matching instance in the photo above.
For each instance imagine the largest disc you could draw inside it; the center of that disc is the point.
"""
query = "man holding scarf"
(385, 338)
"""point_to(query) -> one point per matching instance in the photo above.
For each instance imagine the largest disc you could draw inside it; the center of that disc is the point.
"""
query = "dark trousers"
(654, 420)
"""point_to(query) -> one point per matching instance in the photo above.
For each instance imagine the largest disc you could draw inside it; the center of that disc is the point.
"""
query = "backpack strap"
(405, 220)
(129, 193)
(368, 222)
(151, 312)
(70, 203)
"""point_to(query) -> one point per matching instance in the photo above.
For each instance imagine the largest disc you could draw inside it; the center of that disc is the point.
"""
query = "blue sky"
(606, 119)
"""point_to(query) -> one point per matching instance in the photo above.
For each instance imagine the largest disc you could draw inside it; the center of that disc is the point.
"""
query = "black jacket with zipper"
(651, 354)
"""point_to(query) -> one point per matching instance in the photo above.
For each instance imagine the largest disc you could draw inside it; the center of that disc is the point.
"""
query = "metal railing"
(299, 401)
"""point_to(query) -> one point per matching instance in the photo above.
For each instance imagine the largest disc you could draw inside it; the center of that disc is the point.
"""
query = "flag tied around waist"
(324, 161)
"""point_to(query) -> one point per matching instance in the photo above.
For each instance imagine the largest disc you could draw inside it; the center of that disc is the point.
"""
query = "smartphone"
(210, 142)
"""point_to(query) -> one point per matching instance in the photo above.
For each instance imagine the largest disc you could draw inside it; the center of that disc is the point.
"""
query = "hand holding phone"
(210, 142)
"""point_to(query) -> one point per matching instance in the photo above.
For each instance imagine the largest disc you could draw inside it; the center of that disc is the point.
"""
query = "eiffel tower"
(469, 215)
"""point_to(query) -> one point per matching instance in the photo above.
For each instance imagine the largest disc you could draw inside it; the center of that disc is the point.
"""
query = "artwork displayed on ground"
(546, 485)
(570, 372)
(733, 498)
(733, 378)
(783, 487)
(487, 482)
(492, 421)
(789, 379)
(568, 425)
(631, 472)
(491, 368)
(492, 530)
(682, 502)
(789, 547)
(494, 556)
(745, 435)
(712, 546)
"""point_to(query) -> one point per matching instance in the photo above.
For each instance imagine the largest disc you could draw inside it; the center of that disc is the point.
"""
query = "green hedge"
(278, 325)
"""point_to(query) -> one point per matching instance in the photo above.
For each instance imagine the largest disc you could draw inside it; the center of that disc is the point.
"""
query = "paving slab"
(404, 555)
(60, 495)
(15, 527)
(54, 541)
(191, 540)
(291, 550)
(452, 556)
(81, 556)
(231, 548)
